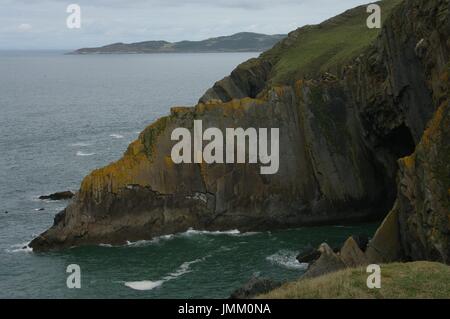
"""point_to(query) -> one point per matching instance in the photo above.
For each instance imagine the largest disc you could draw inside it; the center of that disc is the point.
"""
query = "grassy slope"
(398, 280)
(317, 48)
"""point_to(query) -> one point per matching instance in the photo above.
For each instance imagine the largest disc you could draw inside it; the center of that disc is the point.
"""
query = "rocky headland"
(364, 130)
(239, 42)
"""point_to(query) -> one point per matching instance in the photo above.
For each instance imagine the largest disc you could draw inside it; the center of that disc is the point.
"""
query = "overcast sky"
(41, 24)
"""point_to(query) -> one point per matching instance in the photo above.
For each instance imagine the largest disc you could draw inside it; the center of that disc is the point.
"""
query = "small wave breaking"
(189, 233)
(80, 153)
(180, 271)
(117, 136)
(80, 144)
(287, 259)
(20, 248)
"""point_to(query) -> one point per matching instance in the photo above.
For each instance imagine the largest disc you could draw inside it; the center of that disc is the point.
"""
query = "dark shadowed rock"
(361, 240)
(58, 196)
(308, 255)
(254, 287)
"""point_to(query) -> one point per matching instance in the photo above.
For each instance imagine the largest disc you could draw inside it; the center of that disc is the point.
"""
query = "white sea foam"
(20, 248)
(149, 284)
(80, 153)
(80, 144)
(116, 136)
(191, 231)
(144, 284)
(105, 245)
(287, 259)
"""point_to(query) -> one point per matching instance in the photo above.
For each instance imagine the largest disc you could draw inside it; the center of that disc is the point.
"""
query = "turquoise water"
(61, 117)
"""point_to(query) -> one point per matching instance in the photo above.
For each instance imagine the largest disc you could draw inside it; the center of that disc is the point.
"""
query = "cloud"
(24, 27)
(43, 23)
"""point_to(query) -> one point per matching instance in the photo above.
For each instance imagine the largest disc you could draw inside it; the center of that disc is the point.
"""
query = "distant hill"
(239, 42)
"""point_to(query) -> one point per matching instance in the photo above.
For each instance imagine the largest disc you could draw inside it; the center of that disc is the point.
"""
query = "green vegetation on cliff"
(331, 44)
(398, 280)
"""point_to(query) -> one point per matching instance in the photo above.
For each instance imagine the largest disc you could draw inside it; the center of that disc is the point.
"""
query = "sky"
(41, 24)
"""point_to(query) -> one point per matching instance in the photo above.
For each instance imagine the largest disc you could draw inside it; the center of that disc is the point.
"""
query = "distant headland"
(239, 42)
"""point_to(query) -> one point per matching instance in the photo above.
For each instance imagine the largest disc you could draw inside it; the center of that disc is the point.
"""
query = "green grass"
(398, 280)
(327, 46)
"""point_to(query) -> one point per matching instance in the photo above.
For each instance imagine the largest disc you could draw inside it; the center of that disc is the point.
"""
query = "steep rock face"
(340, 137)
(423, 201)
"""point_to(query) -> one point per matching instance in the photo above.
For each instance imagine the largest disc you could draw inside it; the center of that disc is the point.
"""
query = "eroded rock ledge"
(341, 134)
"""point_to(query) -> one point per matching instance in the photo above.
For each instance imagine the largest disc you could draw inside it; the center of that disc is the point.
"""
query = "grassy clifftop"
(317, 48)
(398, 280)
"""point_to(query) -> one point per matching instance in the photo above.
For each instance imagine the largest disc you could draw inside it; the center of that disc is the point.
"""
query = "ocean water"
(62, 116)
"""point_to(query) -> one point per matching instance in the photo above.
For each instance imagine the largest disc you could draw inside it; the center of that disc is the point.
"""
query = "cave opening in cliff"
(400, 141)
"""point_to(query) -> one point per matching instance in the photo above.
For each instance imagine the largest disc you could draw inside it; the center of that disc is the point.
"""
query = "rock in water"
(58, 196)
(254, 287)
(308, 255)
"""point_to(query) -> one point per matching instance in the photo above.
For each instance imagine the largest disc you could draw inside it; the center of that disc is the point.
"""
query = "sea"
(62, 116)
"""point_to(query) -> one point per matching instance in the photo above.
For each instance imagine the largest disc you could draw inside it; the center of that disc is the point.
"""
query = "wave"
(144, 284)
(116, 135)
(149, 284)
(20, 248)
(287, 259)
(80, 153)
(189, 233)
(80, 144)
(192, 231)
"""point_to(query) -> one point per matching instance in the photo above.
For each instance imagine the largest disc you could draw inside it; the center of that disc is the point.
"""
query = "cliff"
(239, 42)
(349, 102)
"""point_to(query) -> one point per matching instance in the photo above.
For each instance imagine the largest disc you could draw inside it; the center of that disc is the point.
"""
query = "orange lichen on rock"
(408, 161)
(180, 110)
(433, 126)
(133, 168)
(231, 107)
